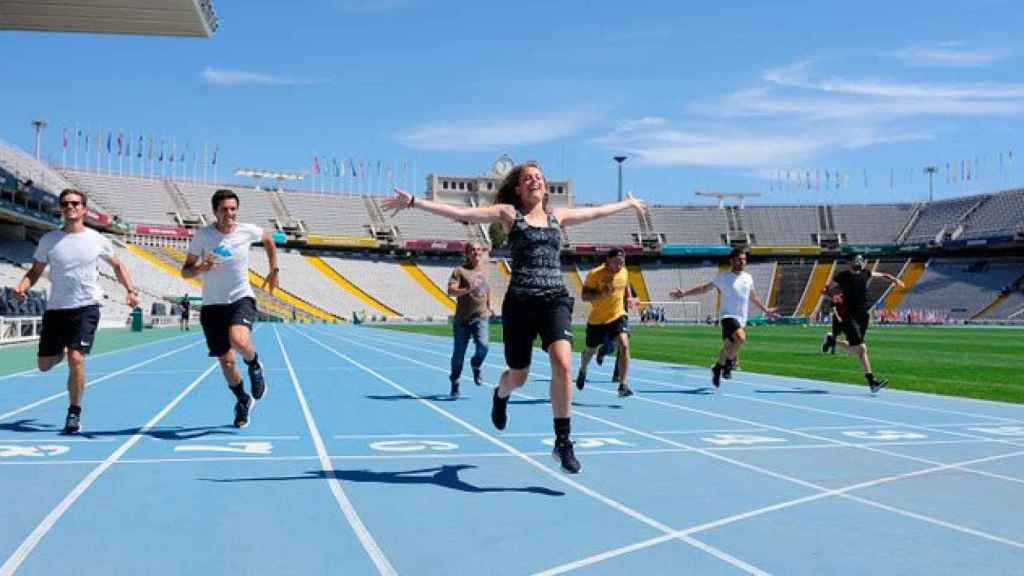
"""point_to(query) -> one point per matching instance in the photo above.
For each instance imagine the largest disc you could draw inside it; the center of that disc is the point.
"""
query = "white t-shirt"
(229, 282)
(735, 289)
(73, 272)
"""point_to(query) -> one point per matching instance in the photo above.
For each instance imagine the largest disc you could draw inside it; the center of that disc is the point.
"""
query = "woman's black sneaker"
(563, 452)
(499, 411)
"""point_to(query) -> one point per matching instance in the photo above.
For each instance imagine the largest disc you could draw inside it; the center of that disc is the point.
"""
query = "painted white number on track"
(741, 439)
(1002, 430)
(32, 451)
(591, 442)
(412, 445)
(234, 447)
(884, 435)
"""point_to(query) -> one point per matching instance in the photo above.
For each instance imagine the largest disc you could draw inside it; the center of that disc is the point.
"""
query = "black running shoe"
(828, 343)
(455, 389)
(600, 357)
(476, 377)
(716, 375)
(256, 381)
(499, 411)
(72, 424)
(876, 384)
(581, 380)
(624, 390)
(242, 412)
(563, 452)
(727, 370)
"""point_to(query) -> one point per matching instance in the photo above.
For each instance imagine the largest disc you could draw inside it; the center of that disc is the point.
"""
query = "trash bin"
(137, 319)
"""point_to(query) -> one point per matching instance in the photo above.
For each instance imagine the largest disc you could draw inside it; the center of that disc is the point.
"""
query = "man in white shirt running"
(219, 253)
(737, 289)
(73, 310)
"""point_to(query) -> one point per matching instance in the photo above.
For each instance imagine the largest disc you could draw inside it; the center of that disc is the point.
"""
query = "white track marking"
(365, 538)
(96, 381)
(937, 466)
(26, 547)
(721, 555)
(100, 355)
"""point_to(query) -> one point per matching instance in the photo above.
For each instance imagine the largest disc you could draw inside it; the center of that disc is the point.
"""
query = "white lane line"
(365, 538)
(26, 547)
(937, 466)
(794, 431)
(841, 492)
(94, 356)
(96, 381)
(616, 505)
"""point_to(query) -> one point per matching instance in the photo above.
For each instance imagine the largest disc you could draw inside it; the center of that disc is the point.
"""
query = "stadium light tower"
(930, 171)
(620, 160)
(39, 125)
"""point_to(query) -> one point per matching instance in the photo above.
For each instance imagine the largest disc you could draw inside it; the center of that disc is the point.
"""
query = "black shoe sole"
(581, 383)
(240, 425)
(564, 468)
(264, 388)
(881, 384)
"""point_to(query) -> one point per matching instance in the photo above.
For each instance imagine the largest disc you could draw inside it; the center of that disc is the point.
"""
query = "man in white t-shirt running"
(73, 310)
(219, 253)
(737, 289)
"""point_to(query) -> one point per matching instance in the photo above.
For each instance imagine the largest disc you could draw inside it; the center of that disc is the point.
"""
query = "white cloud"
(221, 77)
(948, 54)
(493, 134)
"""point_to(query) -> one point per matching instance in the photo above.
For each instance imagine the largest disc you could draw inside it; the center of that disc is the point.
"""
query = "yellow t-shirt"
(611, 307)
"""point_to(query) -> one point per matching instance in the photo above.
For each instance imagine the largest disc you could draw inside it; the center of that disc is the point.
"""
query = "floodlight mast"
(723, 195)
(277, 175)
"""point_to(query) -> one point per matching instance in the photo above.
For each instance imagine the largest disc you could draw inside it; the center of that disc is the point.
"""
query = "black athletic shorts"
(729, 327)
(525, 318)
(597, 334)
(217, 320)
(73, 328)
(855, 326)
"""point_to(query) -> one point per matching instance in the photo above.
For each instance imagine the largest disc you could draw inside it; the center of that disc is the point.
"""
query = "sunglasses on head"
(70, 204)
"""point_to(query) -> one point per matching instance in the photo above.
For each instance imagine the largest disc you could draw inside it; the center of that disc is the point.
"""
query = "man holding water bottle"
(219, 254)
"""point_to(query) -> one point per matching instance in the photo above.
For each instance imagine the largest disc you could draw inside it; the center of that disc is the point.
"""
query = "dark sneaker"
(563, 452)
(72, 424)
(716, 375)
(624, 390)
(727, 370)
(600, 357)
(476, 377)
(242, 412)
(256, 381)
(581, 380)
(828, 343)
(455, 389)
(876, 384)
(499, 411)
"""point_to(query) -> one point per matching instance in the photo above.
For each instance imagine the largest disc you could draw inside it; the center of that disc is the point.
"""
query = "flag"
(352, 164)
(139, 153)
(120, 143)
(316, 164)
(65, 137)
(161, 158)
(216, 149)
(128, 147)
(109, 135)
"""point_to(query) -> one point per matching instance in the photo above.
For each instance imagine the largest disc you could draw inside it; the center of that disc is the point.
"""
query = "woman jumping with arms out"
(537, 302)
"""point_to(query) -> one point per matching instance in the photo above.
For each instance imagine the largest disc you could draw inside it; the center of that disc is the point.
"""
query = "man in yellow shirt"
(605, 289)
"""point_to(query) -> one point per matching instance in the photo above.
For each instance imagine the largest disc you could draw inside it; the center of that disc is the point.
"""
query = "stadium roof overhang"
(143, 17)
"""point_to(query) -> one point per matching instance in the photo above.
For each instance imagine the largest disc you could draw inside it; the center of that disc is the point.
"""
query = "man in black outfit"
(852, 284)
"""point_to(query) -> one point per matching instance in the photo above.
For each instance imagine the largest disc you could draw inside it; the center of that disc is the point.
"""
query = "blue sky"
(724, 96)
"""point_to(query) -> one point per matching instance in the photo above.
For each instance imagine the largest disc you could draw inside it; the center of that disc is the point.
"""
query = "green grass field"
(22, 356)
(971, 362)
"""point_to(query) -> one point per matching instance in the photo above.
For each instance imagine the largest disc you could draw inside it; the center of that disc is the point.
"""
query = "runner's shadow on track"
(445, 476)
(692, 391)
(794, 391)
(27, 426)
(170, 434)
(431, 397)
